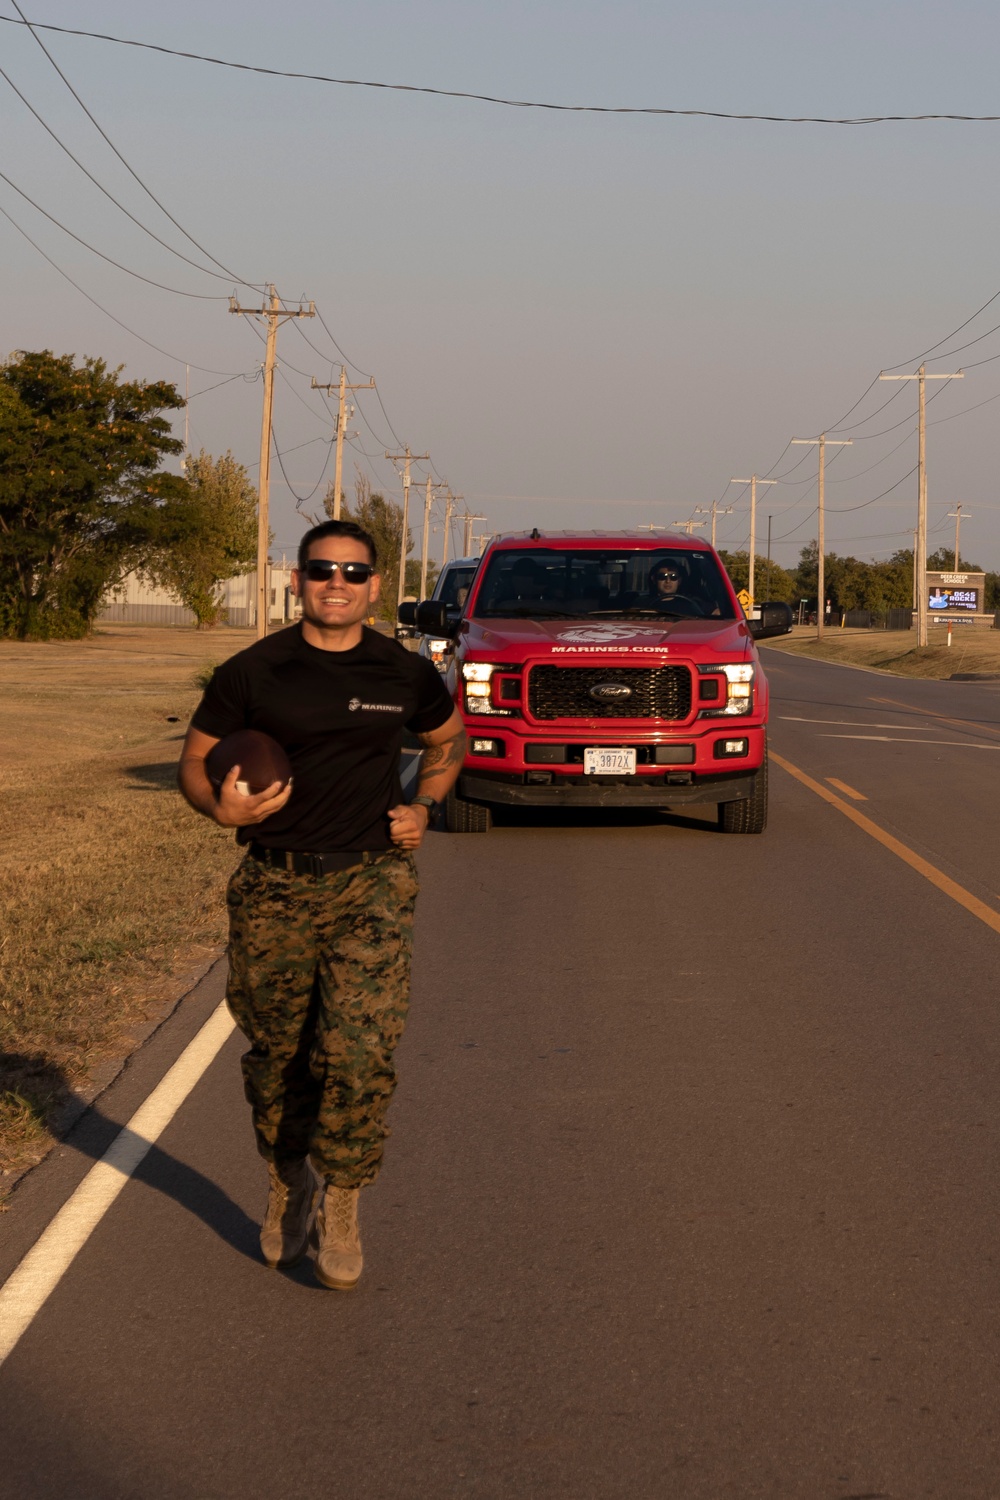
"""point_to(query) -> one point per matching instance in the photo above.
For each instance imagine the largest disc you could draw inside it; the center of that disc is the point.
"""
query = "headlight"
(478, 671)
(438, 645)
(478, 686)
(739, 677)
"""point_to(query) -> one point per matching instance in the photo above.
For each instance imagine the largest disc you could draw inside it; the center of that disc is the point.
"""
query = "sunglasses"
(319, 569)
(674, 577)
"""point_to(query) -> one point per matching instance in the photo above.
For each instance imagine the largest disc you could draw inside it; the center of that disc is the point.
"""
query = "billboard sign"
(955, 593)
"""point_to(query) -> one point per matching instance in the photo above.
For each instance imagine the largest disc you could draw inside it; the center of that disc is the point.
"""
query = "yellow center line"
(847, 790)
(930, 714)
(909, 856)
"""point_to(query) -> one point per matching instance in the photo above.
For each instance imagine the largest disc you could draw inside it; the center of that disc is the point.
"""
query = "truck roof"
(648, 539)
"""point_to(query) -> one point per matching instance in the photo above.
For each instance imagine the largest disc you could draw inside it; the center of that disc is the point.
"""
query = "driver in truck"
(670, 580)
(665, 580)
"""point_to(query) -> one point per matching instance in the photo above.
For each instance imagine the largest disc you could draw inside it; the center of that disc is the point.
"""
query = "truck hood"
(594, 639)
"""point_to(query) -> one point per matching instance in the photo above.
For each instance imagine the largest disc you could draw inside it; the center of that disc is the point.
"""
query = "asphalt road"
(691, 1191)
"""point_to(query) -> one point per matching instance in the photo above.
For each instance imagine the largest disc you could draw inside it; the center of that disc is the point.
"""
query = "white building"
(137, 603)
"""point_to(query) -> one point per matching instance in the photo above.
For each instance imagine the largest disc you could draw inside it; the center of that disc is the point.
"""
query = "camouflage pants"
(319, 971)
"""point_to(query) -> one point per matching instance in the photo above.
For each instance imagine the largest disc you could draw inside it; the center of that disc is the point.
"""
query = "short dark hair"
(337, 528)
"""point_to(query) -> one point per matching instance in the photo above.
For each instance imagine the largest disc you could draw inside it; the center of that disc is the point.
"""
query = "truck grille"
(565, 693)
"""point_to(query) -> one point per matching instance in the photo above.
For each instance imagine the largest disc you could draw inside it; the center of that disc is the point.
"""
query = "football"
(260, 758)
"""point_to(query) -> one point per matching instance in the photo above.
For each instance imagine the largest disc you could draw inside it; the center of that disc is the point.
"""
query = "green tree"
(772, 582)
(82, 495)
(943, 561)
(413, 577)
(807, 572)
(213, 536)
(383, 519)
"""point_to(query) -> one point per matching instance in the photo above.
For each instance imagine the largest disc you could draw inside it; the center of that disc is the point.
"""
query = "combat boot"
(291, 1194)
(338, 1255)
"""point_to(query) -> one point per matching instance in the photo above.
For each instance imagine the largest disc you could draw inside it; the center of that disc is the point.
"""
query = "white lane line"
(889, 739)
(38, 1274)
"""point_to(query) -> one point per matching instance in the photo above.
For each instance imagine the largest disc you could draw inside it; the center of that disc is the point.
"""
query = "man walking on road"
(321, 908)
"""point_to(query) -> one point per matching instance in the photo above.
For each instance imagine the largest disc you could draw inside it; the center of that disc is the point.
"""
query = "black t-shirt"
(340, 717)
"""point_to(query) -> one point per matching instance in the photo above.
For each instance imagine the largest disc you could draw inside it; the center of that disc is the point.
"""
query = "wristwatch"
(427, 802)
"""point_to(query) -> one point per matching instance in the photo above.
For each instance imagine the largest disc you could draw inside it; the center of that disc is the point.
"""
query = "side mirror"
(433, 618)
(775, 619)
(406, 614)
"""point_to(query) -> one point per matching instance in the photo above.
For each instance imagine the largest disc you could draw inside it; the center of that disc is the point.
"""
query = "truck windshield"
(617, 583)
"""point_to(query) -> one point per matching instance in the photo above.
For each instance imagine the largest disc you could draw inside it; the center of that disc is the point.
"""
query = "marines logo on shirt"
(376, 708)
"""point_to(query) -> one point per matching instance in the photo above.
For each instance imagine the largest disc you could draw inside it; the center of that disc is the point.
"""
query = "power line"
(934, 347)
(33, 28)
(100, 186)
(205, 370)
(843, 509)
(367, 373)
(198, 296)
(412, 88)
(301, 499)
(205, 389)
(865, 436)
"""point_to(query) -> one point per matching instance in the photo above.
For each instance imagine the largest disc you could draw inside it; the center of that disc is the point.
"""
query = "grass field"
(973, 650)
(111, 889)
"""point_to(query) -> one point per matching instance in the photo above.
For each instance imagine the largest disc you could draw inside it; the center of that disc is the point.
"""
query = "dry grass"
(973, 650)
(110, 887)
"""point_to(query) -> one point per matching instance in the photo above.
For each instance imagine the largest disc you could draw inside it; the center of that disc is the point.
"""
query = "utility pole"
(715, 511)
(821, 443)
(187, 409)
(467, 550)
(767, 586)
(428, 502)
(449, 507)
(342, 414)
(753, 482)
(275, 315)
(920, 552)
(405, 458)
(690, 526)
(956, 516)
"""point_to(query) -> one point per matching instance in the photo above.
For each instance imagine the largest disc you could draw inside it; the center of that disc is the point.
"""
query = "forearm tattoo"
(440, 758)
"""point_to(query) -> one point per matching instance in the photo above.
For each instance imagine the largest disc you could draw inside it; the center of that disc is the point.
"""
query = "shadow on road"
(43, 1088)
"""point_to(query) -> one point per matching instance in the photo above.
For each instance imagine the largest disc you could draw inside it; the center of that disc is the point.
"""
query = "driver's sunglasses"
(319, 569)
(668, 573)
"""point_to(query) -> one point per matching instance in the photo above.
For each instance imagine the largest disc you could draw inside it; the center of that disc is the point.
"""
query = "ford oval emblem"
(606, 690)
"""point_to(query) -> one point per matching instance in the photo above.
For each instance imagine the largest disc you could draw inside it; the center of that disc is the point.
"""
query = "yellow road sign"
(745, 601)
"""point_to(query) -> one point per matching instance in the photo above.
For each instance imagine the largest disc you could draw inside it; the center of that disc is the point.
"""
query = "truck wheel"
(749, 814)
(463, 816)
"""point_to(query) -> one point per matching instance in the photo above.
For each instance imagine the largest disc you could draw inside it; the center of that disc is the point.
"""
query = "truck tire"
(463, 816)
(749, 814)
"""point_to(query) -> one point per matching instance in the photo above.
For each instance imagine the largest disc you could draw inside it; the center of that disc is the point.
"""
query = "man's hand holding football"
(235, 810)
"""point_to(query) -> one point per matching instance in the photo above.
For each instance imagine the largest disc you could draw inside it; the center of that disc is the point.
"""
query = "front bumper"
(604, 791)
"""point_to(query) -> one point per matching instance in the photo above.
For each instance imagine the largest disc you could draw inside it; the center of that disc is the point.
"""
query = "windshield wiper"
(658, 614)
(523, 613)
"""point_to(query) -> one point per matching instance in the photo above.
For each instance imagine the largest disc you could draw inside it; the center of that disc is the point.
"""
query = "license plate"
(604, 762)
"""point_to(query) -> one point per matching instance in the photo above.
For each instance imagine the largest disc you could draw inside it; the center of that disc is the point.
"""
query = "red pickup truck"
(608, 669)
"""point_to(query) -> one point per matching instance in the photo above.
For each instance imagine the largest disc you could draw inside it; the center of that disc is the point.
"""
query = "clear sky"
(586, 320)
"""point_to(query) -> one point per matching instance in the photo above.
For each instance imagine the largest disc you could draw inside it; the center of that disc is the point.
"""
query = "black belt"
(298, 862)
